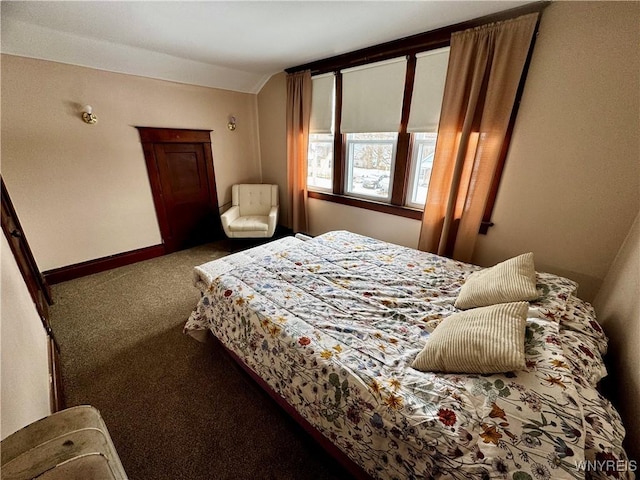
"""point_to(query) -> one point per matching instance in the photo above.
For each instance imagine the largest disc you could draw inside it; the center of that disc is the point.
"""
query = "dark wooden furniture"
(180, 167)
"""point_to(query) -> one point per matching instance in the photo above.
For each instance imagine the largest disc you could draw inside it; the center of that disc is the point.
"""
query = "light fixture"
(232, 123)
(88, 116)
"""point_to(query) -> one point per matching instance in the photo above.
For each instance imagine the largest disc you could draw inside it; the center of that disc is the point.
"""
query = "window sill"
(367, 204)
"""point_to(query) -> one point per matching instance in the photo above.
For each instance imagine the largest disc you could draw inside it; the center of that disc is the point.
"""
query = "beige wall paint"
(272, 101)
(571, 186)
(326, 216)
(618, 308)
(24, 388)
(82, 191)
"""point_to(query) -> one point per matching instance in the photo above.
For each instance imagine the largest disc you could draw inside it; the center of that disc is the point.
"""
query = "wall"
(272, 101)
(570, 189)
(618, 308)
(82, 191)
(24, 385)
(571, 186)
(327, 216)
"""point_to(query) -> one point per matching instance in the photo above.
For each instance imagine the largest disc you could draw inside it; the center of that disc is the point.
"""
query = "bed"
(333, 324)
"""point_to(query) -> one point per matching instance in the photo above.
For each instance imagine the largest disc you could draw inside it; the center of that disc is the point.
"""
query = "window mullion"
(401, 168)
(339, 141)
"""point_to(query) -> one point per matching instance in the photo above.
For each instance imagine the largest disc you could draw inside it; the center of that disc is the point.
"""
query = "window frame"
(409, 47)
(316, 187)
(349, 146)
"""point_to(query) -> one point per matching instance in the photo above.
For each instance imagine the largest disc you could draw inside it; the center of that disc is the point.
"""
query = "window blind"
(428, 89)
(372, 96)
(322, 96)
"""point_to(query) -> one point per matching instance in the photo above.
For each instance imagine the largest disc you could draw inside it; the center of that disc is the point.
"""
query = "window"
(370, 160)
(424, 146)
(361, 94)
(426, 103)
(371, 99)
(321, 138)
(320, 161)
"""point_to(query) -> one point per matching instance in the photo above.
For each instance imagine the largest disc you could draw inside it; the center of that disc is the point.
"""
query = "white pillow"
(513, 280)
(481, 340)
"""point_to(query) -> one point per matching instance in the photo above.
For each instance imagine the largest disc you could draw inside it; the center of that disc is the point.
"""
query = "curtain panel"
(298, 120)
(484, 72)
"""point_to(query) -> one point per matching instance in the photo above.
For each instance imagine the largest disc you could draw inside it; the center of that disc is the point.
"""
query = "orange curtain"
(298, 117)
(485, 68)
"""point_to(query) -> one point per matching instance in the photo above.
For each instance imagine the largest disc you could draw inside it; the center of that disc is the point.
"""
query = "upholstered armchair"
(254, 211)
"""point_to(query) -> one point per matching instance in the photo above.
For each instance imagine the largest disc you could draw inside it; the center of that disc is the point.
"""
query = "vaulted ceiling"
(233, 45)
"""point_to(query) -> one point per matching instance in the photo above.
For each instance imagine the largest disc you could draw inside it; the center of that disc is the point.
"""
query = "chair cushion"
(251, 223)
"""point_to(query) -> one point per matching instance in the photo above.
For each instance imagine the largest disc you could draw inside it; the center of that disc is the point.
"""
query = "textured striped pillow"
(513, 280)
(481, 340)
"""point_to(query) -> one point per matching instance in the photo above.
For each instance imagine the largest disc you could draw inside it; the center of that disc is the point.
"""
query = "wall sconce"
(232, 123)
(88, 116)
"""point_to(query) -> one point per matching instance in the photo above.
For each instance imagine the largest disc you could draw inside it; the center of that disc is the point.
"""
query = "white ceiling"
(234, 45)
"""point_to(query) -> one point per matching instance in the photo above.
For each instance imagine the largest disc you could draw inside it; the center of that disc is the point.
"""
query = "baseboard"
(62, 274)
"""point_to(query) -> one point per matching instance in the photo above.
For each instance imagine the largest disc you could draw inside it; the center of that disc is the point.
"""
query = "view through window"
(370, 159)
(320, 161)
(424, 146)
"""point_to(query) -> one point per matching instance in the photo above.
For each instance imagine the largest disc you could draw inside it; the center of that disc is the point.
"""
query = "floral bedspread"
(333, 324)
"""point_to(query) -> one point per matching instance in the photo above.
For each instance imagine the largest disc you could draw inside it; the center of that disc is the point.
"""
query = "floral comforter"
(333, 324)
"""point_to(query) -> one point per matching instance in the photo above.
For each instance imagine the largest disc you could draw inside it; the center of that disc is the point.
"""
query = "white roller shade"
(428, 88)
(372, 97)
(322, 103)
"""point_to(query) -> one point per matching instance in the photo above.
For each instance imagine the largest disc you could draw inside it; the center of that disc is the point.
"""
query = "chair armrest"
(273, 214)
(229, 216)
(273, 220)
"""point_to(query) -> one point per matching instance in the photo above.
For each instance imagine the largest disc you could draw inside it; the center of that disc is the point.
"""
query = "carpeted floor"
(176, 409)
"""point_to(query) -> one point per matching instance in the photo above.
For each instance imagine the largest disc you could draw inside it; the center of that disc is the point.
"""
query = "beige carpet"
(176, 409)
